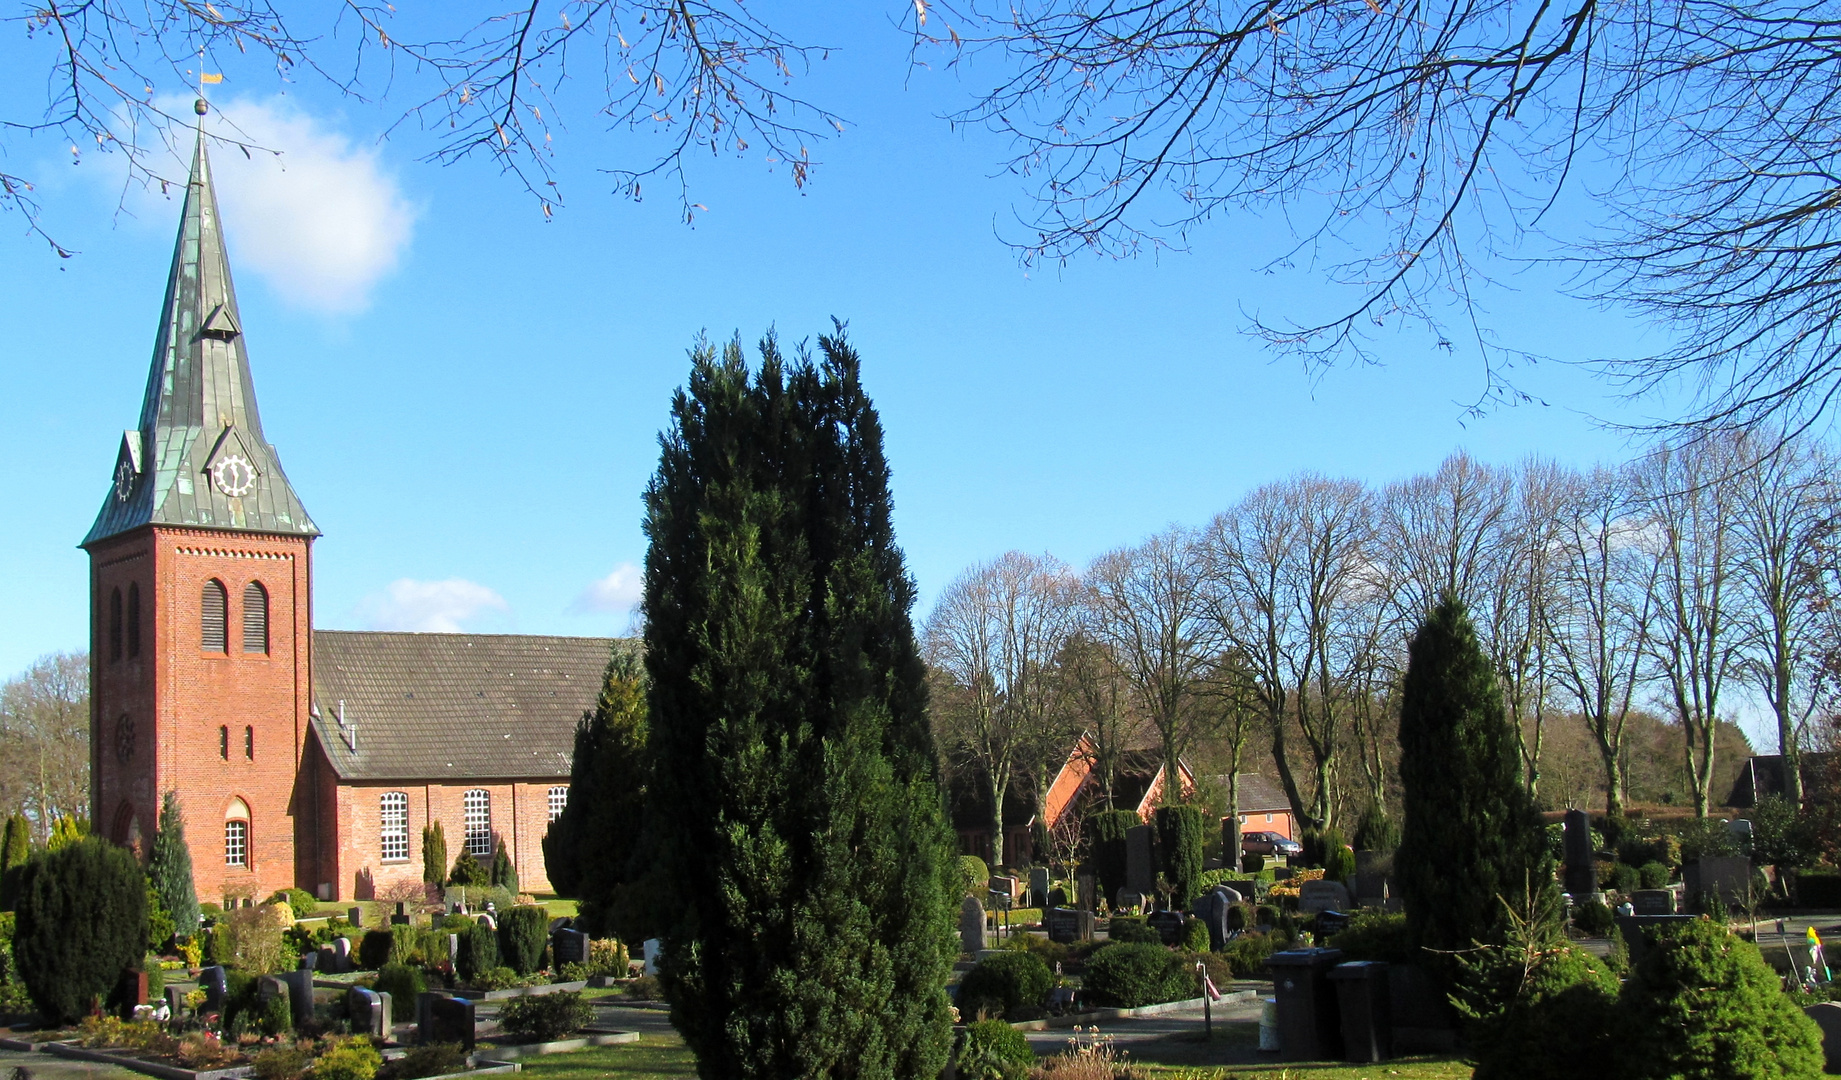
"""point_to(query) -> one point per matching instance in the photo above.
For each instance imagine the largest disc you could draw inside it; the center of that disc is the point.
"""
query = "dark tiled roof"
(1261, 794)
(445, 707)
(200, 407)
(1762, 775)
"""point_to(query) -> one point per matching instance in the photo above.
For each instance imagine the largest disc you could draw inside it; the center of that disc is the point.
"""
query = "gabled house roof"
(450, 707)
(1762, 775)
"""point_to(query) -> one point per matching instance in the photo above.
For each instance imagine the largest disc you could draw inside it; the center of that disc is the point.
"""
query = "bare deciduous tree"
(991, 642)
(1098, 700)
(44, 740)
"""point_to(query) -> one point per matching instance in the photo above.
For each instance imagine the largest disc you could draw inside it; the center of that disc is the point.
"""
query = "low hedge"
(1004, 981)
(1133, 975)
(544, 1017)
(1130, 930)
(1247, 953)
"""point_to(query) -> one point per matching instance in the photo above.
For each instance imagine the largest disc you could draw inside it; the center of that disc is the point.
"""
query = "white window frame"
(476, 810)
(236, 843)
(393, 826)
(559, 798)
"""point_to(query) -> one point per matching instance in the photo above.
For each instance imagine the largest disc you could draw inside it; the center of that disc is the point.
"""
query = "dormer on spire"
(200, 457)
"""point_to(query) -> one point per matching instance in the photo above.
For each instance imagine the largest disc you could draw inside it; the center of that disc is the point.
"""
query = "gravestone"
(453, 950)
(323, 960)
(1827, 1016)
(1003, 891)
(300, 994)
(401, 918)
(563, 923)
(133, 991)
(355, 916)
(1168, 924)
(425, 1013)
(488, 922)
(269, 987)
(971, 926)
(175, 1002)
(1373, 877)
(1741, 831)
(652, 948)
(1581, 875)
(1069, 925)
(1057, 897)
(1725, 876)
(1321, 895)
(1128, 900)
(1140, 861)
(1038, 886)
(450, 1020)
(370, 1012)
(308, 961)
(1653, 902)
(211, 981)
(1212, 908)
(569, 947)
(342, 953)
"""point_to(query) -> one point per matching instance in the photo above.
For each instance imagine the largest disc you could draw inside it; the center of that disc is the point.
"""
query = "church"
(300, 757)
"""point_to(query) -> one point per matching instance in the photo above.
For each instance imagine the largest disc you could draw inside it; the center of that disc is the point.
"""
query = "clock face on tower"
(124, 480)
(234, 476)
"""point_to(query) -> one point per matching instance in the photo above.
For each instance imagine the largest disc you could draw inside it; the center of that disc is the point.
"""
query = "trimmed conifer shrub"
(1376, 831)
(169, 868)
(1004, 981)
(374, 949)
(588, 850)
(1469, 833)
(1134, 975)
(15, 848)
(1702, 1002)
(1107, 828)
(993, 1050)
(523, 933)
(794, 812)
(402, 982)
(81, 920)
(479, 952)
(1131, 928)
(504, 874)
(469, 873)
(434, 853)
(1182, 832)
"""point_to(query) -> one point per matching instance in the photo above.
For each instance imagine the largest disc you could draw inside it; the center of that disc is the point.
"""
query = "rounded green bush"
(1002, 982)
(300, 901)
(1624, 878)
(1130, 929)
(1594, 918)
(993, 1050)
(974, 874)
(1653, 875)
(354, 1060)
(524, 931)
(1132, 975)
(402, 983)
(1195, 935)
(80, 920)
(1376, 936)
(374, 949)
(544, 1017)
(1702, 1002)
(1246, 954)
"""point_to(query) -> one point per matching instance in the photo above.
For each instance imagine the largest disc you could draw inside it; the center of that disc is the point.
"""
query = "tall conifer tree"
(15, 847)
(589, 848)
(434, 854)
(794, 814)
(1470, 837)
(169, 870)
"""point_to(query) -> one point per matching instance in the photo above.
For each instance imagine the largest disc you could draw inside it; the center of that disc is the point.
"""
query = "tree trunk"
(997, 819)
(1786, 726)
(1614, 779)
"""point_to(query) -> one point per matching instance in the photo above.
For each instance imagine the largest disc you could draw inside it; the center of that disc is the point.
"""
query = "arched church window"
(476, 806)
(114, 624)
(255, 618)
(134, 619)
(236, 833)
(214, 637)
(395, 826)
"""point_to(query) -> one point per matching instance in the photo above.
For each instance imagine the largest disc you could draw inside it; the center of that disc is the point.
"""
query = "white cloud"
(429, 606)
(615, 594)
(319, 219)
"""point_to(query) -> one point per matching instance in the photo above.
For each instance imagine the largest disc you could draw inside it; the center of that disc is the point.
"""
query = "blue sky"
(468, 397)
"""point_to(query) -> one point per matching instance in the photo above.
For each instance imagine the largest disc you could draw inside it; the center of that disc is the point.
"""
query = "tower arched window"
(255, 618)
(214, 637)
(134, 619)
(394, 826)
(249, 743)
(114, 625)
(476, 807)
(236, 834)
(223, 742)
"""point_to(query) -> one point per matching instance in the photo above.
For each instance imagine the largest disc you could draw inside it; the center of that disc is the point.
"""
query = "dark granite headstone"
(370, 1012)
(1728, 877)
(1653, 901)
(211, 980)
(451, 1021)
(1212, 909)
(1038, 886)
(1827, 1016)
(1057, 897)
(569, 947)
(401, 918)
(1581, 861)
(1168, 924)
(425, 1013)
(269, 987)
(1068, 925)
(1373, 877)
(355, 916)
(1140, 864)
(300, 994)
(175, 1002)
(1128, 900)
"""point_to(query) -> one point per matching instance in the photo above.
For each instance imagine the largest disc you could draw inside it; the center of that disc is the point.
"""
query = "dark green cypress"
(15, 848)
(1181, 834)
(434, 854)
(81, 922)
(1108, 830)
(504, 874)
(590, 847)
(1470, 837)
(794, 815)
(169, 869)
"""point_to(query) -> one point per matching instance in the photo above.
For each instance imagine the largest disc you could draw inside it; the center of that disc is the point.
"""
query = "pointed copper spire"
(199, 456)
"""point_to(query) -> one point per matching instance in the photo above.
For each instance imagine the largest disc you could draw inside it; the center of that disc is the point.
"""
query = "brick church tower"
(200, 593)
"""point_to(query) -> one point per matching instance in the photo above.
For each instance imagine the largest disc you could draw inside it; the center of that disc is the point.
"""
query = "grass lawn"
(651, 1056)
(666, 1056)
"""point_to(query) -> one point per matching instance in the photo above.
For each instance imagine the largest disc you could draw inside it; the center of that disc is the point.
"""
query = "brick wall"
(519, 816)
